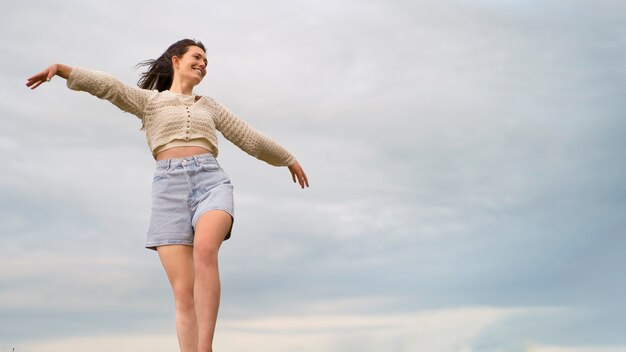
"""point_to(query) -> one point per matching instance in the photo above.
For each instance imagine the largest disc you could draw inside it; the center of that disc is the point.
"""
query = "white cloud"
(441, 330)
(547, 348)
(104, 343)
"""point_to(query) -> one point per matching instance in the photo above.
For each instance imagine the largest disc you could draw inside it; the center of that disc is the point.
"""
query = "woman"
(192, 199)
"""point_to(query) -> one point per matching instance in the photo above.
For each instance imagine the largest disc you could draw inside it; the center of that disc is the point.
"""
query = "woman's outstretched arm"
(102, 85)
(46, 75)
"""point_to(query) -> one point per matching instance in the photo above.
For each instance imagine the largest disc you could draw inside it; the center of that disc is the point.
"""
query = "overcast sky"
(466, 161)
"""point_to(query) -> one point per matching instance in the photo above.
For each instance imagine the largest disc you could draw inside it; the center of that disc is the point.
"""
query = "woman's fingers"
(306, 181)
(302, 178)
(33, 83)
(36, 80)
(32, 80)
(297, 172)
(293, 169)
(44, 76)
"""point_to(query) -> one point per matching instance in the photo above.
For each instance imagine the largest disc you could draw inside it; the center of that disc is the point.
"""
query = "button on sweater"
(165, 118)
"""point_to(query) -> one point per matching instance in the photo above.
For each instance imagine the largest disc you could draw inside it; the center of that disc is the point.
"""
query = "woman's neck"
(181, 88)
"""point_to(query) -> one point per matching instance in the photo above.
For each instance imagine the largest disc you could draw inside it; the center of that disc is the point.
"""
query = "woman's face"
(192, 66)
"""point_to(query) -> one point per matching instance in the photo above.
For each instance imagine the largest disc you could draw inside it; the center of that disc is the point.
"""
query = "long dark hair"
(160, 71)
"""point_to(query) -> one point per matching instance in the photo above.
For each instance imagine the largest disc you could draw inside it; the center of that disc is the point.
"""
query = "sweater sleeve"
(250, 140)
(104, 86)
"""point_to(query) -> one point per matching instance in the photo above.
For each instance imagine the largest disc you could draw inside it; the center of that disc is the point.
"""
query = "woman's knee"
(183, 297)
(205, 258)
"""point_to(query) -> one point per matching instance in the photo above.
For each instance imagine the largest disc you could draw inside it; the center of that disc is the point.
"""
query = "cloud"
(442, 330)
(540, 348)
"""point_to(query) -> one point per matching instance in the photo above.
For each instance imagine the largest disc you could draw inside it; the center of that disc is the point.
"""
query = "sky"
(465, 161)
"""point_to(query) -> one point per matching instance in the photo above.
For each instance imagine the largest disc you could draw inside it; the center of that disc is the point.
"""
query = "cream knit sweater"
(165, 118)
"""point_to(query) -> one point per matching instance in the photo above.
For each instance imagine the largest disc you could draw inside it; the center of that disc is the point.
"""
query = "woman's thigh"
(177, 260)
(210, 231)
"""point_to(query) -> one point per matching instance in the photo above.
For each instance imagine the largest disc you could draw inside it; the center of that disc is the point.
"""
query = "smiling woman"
(192, 197)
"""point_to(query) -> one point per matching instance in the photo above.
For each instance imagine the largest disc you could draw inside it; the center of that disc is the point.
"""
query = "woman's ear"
(175, 61)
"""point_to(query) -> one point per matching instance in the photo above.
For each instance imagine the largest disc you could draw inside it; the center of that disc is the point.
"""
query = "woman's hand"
(41, 77)
(297, 172)
(46, 75)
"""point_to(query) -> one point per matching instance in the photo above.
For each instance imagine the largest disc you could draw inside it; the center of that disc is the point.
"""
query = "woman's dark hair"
(160, 72)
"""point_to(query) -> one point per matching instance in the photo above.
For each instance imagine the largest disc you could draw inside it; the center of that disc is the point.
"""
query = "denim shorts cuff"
(203, 211)
(154, 244)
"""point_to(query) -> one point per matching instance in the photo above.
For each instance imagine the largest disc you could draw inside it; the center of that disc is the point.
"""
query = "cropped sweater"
(166, 119)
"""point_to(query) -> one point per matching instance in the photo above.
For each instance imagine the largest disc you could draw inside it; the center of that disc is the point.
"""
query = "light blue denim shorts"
(182, 190)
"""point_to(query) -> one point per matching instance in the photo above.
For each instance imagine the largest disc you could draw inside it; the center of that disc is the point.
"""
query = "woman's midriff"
(181, 152)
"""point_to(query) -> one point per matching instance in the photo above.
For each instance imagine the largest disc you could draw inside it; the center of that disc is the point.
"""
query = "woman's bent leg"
(210, 231)
(177, 261)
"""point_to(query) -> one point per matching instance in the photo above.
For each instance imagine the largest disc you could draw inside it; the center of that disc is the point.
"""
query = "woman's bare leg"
(210, 231)
(177, 261)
